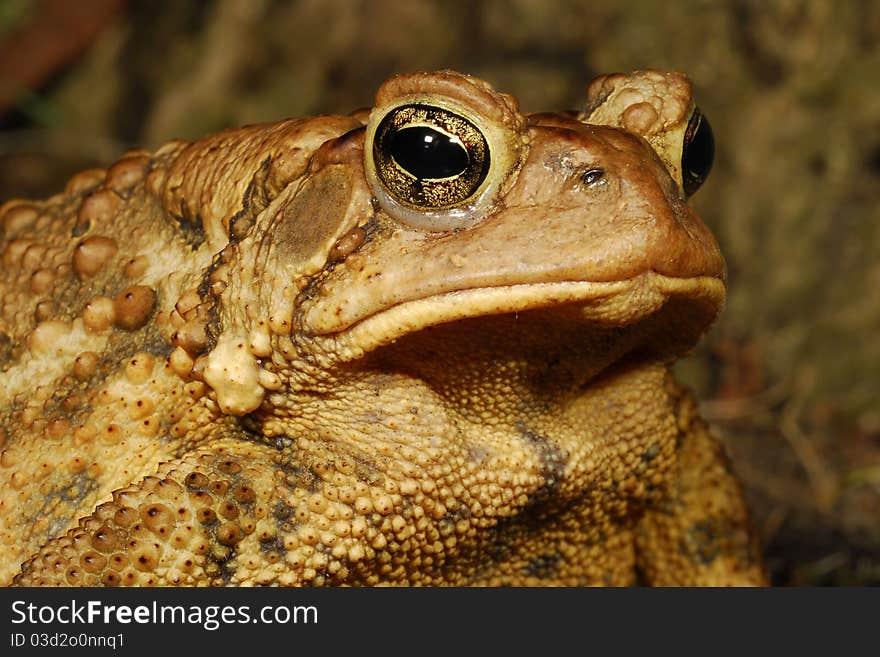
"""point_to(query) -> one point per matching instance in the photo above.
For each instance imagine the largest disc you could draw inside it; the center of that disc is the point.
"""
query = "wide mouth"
(606, 305)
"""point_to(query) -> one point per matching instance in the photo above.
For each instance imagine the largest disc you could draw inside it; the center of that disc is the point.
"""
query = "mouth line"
(615, 303)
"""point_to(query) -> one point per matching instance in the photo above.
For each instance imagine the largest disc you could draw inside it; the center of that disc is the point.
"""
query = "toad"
(424, 344)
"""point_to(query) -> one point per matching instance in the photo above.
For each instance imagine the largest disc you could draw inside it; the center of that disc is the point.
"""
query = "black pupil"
(699, 151)
(427, 153)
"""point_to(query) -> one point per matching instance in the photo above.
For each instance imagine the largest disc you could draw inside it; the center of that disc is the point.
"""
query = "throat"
(506, 369)
(536, 453)
(532, 409)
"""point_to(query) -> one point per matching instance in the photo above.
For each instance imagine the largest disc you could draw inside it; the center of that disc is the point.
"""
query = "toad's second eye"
(428, 157)
(698, 153)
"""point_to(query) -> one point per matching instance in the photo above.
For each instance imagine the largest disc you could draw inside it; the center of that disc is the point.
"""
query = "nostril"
(592, 176)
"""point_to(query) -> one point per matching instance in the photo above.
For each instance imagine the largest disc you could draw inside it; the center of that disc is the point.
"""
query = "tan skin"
(277, 356)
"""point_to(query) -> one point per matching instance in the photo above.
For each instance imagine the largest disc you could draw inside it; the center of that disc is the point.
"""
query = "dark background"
(790, 375)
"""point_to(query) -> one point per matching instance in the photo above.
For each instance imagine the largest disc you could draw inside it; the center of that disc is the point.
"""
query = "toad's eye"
(696, 157)
(429, 157)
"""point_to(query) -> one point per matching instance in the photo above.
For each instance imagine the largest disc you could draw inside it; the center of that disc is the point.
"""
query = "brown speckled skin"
(236, 362)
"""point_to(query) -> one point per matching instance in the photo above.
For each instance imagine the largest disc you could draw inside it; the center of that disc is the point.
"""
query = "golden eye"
(429, 157)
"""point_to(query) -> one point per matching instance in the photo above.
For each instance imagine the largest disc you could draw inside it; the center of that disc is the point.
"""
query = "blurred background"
(790, 375)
